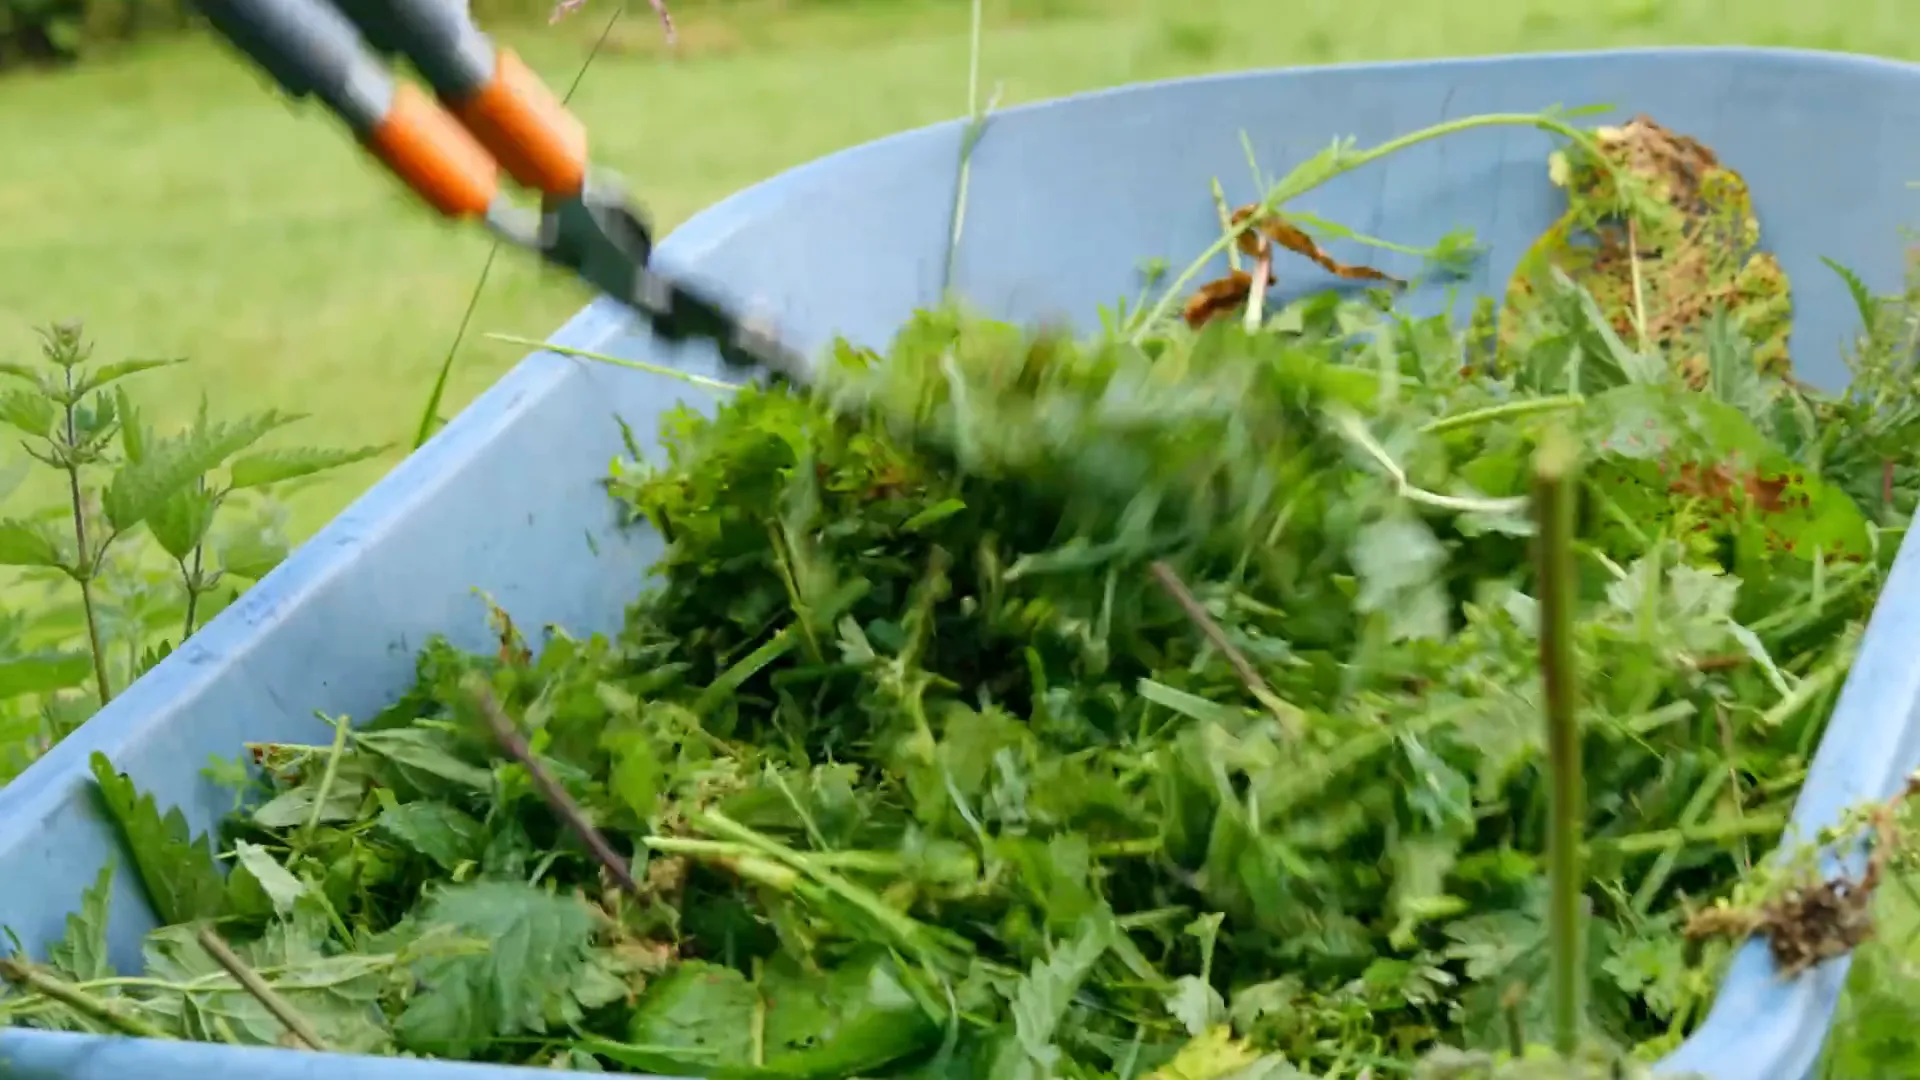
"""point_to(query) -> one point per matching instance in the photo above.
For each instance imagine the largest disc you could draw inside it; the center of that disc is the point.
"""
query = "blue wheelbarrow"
(1065, 198)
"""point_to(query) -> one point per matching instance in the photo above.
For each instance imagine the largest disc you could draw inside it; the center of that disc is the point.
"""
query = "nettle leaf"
(134, 433)
(276, 466)
(250, 554)
(440, 832)
(140, 488)
(181, 522)
(81, 954)
(43, 672)
(27, 543)
(27, 411)
(178, 871)
(533, 946)
(104, 374)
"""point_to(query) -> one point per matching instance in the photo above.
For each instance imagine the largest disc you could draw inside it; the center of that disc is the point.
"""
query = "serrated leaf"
(276, 466)
(81, 954)
(140, 488)
(536, 944)
(442, 833)
(181, 522)
(98, 377)
(27, 411)
(178, 871)
(25, 543)
(43, 673)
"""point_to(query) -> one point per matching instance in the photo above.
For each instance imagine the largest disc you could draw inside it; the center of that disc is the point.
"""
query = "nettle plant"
(148, 535)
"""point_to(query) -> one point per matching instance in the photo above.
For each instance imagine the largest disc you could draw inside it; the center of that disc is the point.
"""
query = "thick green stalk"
(1554, 492)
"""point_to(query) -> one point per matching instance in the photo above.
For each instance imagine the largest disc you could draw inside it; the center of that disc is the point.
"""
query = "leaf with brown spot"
(1686, 250)
(1270, 230)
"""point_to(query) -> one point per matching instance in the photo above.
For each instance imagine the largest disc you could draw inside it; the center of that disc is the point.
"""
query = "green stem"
(1505, 411)
(84, 568)
(1717, 832)
(327, 777)
(616, 361)
(105, 1012)
(1312, 175)
(253, 984)
(1554, 488)
(190, 576)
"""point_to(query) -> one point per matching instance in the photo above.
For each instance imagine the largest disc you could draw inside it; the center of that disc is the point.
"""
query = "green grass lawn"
(180, 208)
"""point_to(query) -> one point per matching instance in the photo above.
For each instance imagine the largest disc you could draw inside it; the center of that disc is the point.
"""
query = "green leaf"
(854, 1019)
(265, 467)
(97, 377)
(178, 871)
(440, 832)
(27, 411)
(134, 434)
(81, 954)
(180, 523)
(1041, 1001)
(43, 673)
(533, 946)
(428, 759)
(698, 1018)
(20, 371)
(281, 888)
(251, 554)
(25, 543)
(140, 488)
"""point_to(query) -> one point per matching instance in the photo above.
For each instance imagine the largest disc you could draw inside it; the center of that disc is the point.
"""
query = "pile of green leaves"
(1165, 704)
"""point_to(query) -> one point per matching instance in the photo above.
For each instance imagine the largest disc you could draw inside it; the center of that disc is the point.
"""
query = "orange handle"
(532, 135)
(425, 146)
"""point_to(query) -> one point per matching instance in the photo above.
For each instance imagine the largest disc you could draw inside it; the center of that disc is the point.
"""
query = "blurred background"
(155, 188)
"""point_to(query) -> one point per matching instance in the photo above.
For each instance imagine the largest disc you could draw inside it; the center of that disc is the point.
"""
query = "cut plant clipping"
(1259, 688)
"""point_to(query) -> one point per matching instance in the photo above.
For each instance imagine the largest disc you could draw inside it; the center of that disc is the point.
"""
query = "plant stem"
(1289, 715)
(327, 777)
(33, 979)
(1554, 488)
(191, 578)
(618, 361)
(556, 796)
(252, 983)
(1504, 411)
(1306, 178)
(83, 566)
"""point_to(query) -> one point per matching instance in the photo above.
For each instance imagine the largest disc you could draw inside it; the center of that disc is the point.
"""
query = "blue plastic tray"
(1067, 198)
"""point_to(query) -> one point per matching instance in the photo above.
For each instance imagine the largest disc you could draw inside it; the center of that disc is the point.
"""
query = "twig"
(1170, 581)
(1190, 604)
(28, 977)
(252, 983)
(1554, 488)
(550, 790)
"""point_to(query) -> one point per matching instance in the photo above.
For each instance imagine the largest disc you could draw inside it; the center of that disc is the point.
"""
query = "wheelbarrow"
(1065, 197)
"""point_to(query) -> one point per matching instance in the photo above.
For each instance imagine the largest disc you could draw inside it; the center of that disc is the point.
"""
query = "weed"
(147, 538)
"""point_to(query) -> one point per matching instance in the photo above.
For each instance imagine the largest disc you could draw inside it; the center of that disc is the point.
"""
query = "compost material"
(1166, 706)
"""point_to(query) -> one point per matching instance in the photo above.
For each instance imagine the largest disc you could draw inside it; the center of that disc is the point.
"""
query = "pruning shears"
(488, 113)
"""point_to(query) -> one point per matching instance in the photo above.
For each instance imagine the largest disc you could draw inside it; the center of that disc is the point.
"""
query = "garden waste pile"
(1166, 704)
